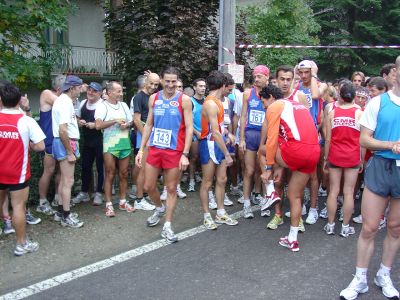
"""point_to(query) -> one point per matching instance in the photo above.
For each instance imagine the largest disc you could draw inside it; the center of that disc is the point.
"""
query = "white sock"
(161, 208)
(207, 215)
(269, 187)
(122, 201)
(315, 210)
(167, 224)
(42, 201)
(384, 270)
(246, 203)
(293, 233)
(361, 273)
(109, 203)
(221, 212)
(178, 187)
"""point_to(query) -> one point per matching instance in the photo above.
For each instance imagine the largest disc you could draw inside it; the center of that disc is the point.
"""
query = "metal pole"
(221, 31)
(227, 23)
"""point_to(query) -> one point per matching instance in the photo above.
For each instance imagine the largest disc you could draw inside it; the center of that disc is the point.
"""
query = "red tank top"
(345, 141)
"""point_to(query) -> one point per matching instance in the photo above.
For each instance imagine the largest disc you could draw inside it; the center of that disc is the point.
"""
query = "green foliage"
(152, 34)
(282, 22)
(25, 57)
(356, 22)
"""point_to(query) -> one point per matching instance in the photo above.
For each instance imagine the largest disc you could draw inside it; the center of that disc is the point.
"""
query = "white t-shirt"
(370, 116)
(237, 108)
(89, 106)
(63, 112)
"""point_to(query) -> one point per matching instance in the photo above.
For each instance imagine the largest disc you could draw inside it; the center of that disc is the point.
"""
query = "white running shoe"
(81, 197)
(355, 287)
(324, 213)
(329, 229)
(144, 205)
(247, 212)
(98, 199)
(241, 200)
(191, 186)
(235, 191)
(312, 217)
(341, 214)
(303, 211)
(358, 219)
(164, 194)
(385, 283)
(180, 193)
(382, 223)
(227, 201)
(270, 200)
(212, 204)
(265, 213)
(346, 231)
(322, 192)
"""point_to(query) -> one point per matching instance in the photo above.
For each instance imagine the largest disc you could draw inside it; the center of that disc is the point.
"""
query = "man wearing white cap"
(251, 120)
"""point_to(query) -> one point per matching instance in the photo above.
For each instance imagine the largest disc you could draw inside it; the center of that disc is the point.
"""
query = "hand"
(183, 163)
(361, 168)
(396, 148)
(266, 174)
(124, 125)
(71, 158)
(91, 125)
(242, 146)
(278, 173)
(147, 73)
(82, 122)
(228, 160)
(325, 168)
(232, 138)
(138, 159)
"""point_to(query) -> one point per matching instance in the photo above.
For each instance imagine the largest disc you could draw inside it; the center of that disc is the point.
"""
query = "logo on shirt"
(158, 102)
(344, 121)
(254, 103)
(9, 135)
(174, 103)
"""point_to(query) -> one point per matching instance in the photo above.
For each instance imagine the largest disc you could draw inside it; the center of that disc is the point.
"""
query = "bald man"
(141, 110)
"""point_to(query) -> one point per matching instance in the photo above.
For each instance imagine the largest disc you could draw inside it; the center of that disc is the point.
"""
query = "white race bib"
(162, 137)
(398, 163)
(256, 117)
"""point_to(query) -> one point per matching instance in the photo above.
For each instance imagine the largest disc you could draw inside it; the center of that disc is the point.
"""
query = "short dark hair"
(271, 90)
(197, 81)
(347, 92)
(215, 80)
(229, 79)
(170, 70)
(386, 69)
(379, 83)
(284, 68)
(10, 95)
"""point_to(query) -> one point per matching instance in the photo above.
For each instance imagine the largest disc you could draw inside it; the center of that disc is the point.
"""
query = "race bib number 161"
(256, 117)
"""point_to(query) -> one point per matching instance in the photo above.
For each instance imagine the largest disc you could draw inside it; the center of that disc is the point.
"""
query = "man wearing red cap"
(251, 120)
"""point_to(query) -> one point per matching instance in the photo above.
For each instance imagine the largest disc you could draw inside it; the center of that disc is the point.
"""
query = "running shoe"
(31, 219)
(247, 212)
(54, 203)
(212, 204)
(322, 192)
(385, 283)
(8, 228)
(324, 213)
(356, 286)
(98, 199)
(164, 194)
(109, 211)
(241, 200)
(197, 177)
(256, 198)
(235, 191)
(144, 205)
(126, 206)
(303, 211)
(225, 219)
(45, 209)
(180, 193)
(341, 214)
(275, 222)
(312, 217)
(346, 231)
(329, 229)
(155, 218)
(382, 223)
(81, 197)
(292, 246)
(169, 235)
(265, 213)
(27, 247)
(71, 222)
(191, 186)
(209, 223)
(271, 200)
(301, 226)
(58, 216)
(227, 201)
(358, 219)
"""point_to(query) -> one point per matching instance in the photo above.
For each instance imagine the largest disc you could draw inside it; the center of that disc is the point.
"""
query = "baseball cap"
(96, 86)
(71, 81)
(305, 64)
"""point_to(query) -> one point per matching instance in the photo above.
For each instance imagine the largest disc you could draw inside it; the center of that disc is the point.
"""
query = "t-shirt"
(238, 97)
(370, 115)
(141, 105)
(114, 138)
(63, 112)
(89, 106)
(16, 131)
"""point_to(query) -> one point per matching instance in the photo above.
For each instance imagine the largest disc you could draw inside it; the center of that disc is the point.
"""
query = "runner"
(292, 142)
(380, 132)
(169, 130)
(214, 155)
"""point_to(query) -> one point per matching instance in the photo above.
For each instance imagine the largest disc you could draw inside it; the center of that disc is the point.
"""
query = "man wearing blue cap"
(66, 147)
(92, 145)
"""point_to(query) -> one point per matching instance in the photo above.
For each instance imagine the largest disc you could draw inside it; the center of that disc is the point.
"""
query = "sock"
(269, 187)
(109, 203)
(138, 200)
(66, 213)
(344, 226)
(122, 201)
(221, 212)
(42, 201)
(167, 224)
(246, 203)
(331, 224)
(383, 270)
(207, 215)
(361, 273)
(178, 187)
(60, 208)
(278, 215)
(293, 233)
(314, 210)
(161, 208)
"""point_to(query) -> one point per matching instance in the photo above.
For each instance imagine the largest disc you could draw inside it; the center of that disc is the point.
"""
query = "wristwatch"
(186, 154)
(268, 168)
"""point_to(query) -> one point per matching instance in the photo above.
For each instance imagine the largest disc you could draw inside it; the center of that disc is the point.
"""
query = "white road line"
(103, 264)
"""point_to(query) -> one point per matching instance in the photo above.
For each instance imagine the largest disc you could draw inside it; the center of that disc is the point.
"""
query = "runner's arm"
(274, 112)
(243, 115)
(148, 126)
(328, 132)
(188, 116)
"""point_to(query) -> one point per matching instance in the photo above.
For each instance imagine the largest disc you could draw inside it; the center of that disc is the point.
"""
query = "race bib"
(162, 137)
(398, 163)
(256, 117)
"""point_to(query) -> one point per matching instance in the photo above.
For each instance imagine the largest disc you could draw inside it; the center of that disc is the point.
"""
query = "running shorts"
(210, 150)
(301, 157)
(163, 158)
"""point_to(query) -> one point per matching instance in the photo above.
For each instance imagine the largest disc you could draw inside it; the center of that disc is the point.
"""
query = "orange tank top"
(205, 125)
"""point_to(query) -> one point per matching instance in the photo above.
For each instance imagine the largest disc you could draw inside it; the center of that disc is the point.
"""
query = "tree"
(25, 56)
(280, 22)
(149, 34)
(357, 22)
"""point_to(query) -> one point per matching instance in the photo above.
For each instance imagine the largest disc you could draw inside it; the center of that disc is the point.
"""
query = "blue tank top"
(388, 125)
(255, 111)
(45, 123)
(168, 125)
(197, 107)
(312, 103)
